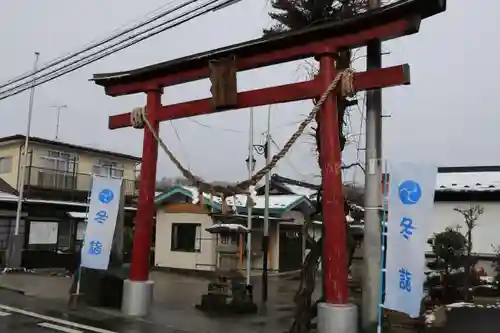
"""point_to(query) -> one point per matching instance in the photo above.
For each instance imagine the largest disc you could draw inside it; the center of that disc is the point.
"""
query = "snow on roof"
(300, 190)
(240, 200)
(468, 181)
(348, 219)
(275, 201)
(446, 181)
(195, 194)
(261, 217)
(7, 196)
(225, 227)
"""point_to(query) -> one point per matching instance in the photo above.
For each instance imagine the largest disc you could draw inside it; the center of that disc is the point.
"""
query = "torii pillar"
(138, 289)
(321, 42)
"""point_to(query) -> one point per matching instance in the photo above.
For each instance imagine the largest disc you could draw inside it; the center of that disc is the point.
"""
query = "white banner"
(411, 203)
(103, 213)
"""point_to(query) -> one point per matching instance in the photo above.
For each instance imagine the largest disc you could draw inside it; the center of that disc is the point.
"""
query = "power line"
(215, 128)
(184, 151)
(358, 144)
(93, 46)
(232, 130)
(92, 42)
(288, 161)
(67, 69)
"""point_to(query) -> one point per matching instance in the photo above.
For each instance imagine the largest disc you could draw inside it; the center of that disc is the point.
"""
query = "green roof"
(278, 204)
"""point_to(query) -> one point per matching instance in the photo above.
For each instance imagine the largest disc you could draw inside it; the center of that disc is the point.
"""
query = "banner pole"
(385, 191)
(79, 272)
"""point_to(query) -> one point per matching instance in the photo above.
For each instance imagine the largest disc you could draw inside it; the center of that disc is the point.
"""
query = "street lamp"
(260, 150)
(15, 245)
(250, 163)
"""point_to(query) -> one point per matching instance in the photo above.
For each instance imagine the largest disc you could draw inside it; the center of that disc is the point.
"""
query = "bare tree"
(292, 15)
(470, 215)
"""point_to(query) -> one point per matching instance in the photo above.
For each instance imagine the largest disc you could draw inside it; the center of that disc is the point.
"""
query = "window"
(59, 161)
(108, 168)
(186, 237)
(58, 170)
(5, 164)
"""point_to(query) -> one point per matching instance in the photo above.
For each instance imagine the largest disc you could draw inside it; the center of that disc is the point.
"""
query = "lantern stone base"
(228, 296)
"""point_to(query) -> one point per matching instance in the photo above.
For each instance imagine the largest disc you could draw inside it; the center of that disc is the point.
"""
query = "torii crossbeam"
(322, 42)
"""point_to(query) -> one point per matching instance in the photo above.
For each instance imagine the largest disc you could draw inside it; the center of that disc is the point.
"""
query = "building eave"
(19, 138)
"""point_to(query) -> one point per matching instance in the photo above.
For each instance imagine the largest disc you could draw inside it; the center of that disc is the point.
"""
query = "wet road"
(174, 306)
(17, 320)
(467, 320)
(22, 314)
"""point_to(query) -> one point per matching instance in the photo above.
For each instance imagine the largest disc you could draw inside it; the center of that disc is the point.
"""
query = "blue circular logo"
(409, 192)
(106, 196)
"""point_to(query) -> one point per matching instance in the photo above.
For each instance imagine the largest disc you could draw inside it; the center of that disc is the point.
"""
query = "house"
(280, 185)
(182, 242)
(56, 189)
(461, 187)
(62, 171)
(456, 187)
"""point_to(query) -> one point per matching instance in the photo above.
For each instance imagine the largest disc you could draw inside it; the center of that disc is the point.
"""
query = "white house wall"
(484, 235)
(298, 217)
(204, 260)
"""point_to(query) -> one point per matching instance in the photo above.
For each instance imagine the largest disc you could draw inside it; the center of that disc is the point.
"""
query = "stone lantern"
(227, 293)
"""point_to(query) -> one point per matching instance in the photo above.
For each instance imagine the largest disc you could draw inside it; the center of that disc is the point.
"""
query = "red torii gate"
(321, 42)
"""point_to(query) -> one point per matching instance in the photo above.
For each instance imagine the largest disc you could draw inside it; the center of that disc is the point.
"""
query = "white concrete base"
(137, 297)
(337, 318)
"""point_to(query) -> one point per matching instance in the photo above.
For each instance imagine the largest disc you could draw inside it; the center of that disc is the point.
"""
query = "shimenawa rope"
(138, 119)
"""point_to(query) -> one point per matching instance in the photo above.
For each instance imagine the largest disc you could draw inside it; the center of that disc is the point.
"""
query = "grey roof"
(19, 137)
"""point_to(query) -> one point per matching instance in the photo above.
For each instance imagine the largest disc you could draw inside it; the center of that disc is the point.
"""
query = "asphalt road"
(23, 314)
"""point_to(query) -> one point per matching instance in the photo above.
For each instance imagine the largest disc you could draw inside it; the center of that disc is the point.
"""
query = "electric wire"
(361, 122)
(231, 130)
(287, 160)
(181, 145)
(67, 69)
(93, 46)
(52, 62)
(215, 128)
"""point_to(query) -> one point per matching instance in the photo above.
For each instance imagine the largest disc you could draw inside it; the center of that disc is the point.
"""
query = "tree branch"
(346, 167)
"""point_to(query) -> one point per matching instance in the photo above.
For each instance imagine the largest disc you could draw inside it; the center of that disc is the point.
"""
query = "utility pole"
(251, 166)
(373, 193)
(14, 257)
(265, 239)
(58, 107)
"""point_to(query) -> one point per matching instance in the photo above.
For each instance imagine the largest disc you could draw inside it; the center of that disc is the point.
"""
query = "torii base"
(137, 298)
(338, 318)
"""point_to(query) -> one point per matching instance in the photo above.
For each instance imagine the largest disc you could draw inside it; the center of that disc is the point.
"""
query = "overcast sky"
(447, 115)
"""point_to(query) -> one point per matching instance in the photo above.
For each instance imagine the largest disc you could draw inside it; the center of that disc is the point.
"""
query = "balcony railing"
(49, 179)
